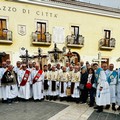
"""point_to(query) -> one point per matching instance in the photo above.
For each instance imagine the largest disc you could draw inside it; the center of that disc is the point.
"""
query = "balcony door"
(3, 26)
(75, 33)
(41, 28)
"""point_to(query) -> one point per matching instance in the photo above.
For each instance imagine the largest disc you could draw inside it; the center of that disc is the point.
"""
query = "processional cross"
(69, 55)
(55, 52)
(99, 60)
(39, 56)
(26, 57)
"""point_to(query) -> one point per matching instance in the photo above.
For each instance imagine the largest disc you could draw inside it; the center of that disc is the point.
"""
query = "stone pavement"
(84, 112)
(104, 116)
(54, 110)
(30, 110)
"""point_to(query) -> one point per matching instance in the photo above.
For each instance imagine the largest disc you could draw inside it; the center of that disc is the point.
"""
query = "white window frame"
(44, 21)
(7, 20)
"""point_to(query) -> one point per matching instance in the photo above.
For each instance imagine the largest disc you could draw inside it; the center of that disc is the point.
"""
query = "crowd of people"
(89, 83)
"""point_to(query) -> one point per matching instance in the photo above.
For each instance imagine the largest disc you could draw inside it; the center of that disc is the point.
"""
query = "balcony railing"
(6, 36)
(75, 41)
(41, 39)
(107, 43)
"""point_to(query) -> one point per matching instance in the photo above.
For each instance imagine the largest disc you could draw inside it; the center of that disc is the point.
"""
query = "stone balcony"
(75, 41)
(107, 44)
(6, 36)
(41, 39)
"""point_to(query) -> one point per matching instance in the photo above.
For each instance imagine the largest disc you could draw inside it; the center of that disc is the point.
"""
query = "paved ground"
(30, 110)
(104, 116)
(53, 111)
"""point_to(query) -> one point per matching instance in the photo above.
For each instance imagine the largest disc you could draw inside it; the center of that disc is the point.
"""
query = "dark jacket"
(84, 78)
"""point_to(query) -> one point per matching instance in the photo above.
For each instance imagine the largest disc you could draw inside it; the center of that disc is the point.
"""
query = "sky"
(109, 3)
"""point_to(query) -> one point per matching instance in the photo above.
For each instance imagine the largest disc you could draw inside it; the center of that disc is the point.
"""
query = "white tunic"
(112, 88)
(24, 91)
(76, 80)
(2, 88)
(64, 77)
(31, 93)
(37, 86)
(0, 83)
(11, 91)
(16, 69)
(118, 88)
(102, 97)
(46, 92)
(53, 76)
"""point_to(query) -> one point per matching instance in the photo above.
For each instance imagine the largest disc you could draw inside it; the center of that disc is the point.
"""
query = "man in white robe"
(9, 81)
(46, 82)
(75, 91)
(24, 81)
(118, 90)
(103, 90)
(53, 84)
(63, 78)
(112, 80)
(67, 66)
(30, 68)
(37, 83)
(58, 69)
(3, 88)
(17, 67)
(71, 72)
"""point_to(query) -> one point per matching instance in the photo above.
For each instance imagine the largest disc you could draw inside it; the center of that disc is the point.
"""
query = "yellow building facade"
(97, 29)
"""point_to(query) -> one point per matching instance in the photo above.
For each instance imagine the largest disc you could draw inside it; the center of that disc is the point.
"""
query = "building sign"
(28, 11)
(22, 30)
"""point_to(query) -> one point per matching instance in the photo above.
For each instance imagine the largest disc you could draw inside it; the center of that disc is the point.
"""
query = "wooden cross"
(99, 60)
(55, 52)
(39, 56)
(26, 57)
(69, 55)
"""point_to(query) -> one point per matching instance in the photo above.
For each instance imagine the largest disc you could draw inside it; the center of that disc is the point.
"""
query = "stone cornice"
(81, 7)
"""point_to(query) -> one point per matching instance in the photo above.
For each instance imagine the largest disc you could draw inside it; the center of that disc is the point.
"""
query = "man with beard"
(46, 82)
(75, 91)
(37, 81)
(10, 83)
(3, 88)
(112, 80)
(103, 89)
(118, 90)
(63, 78)
(24, 80)
(53, 86)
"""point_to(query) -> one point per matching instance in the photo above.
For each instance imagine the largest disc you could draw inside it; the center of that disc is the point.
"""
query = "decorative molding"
(41, 43)
(75, 45)
(84, 9)
(106, 48)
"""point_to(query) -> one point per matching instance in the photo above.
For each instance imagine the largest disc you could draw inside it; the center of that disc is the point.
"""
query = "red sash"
(37, 76)
(25, 78)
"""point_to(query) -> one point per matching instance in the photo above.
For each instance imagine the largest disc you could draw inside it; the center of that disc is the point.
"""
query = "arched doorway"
(4, 58)
(77, 57)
